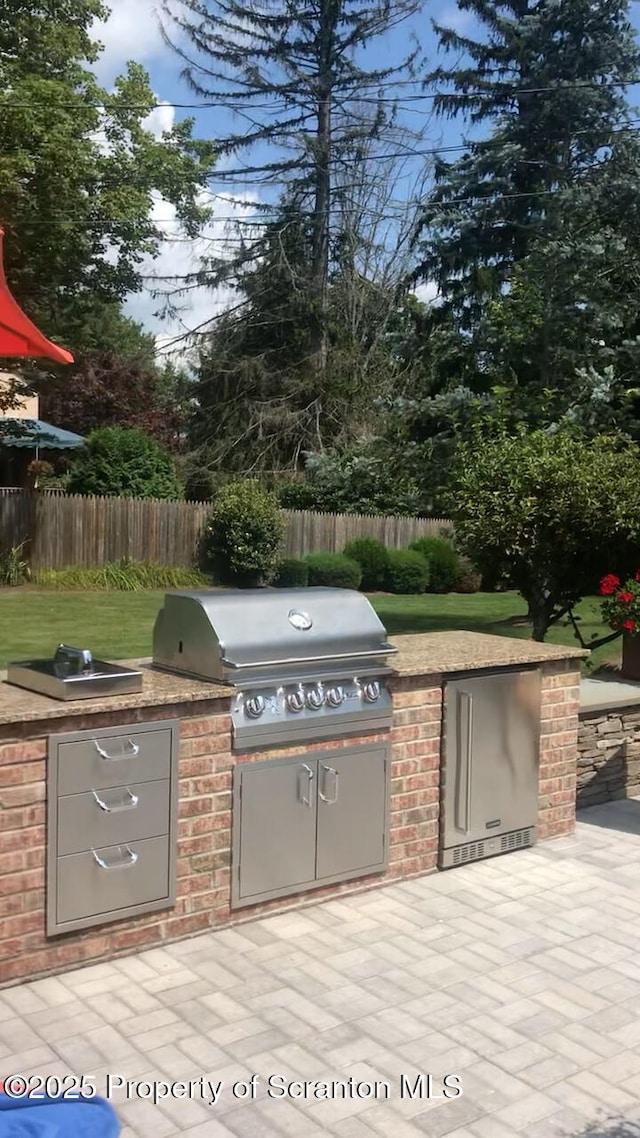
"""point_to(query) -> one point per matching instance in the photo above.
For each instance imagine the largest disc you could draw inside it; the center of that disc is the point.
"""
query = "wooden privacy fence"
(65, 530)
(310, 533)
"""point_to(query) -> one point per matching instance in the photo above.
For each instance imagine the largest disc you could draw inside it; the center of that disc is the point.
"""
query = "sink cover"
(96, 681)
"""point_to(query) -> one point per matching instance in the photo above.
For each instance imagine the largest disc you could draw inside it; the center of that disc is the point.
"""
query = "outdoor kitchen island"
(188, 829)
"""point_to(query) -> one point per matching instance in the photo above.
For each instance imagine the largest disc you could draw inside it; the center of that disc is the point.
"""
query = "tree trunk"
(540, 624)
(539, 613)
(322, 202)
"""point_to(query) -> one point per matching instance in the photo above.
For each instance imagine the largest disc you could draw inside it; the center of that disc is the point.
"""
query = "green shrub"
(128, 576)
(469, 579)
(244, 534)
(123, 462)
(333, 570)
(292, 574)
(371, 556)
(444, 562)
(407, 571)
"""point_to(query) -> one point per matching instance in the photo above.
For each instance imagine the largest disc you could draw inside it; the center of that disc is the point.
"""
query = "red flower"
(630, 625)
(609, 584)
(625, 598)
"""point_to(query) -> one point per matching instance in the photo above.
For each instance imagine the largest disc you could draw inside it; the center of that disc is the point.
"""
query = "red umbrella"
(18, 336)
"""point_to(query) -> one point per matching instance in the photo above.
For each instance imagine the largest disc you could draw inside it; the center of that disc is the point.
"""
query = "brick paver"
(520, 975)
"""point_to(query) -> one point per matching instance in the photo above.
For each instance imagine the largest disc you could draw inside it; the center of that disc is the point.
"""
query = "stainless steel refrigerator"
(490, 764)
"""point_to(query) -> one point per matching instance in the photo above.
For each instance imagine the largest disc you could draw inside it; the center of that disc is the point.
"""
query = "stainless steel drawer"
(112, 878)
(109, 817)
(114, 759)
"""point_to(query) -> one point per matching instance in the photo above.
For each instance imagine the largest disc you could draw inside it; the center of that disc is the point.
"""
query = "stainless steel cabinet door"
(277, 826)
(352, 812)
(490, 771)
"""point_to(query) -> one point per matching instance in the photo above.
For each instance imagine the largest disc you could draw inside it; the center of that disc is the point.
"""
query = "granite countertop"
(433, 653)
(17, 705)
(429, 653)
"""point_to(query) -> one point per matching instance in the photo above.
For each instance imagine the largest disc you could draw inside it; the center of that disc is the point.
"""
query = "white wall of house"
(24, 407)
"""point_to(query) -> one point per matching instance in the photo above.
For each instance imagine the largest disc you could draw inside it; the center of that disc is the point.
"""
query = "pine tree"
(549, 79)
(291, 69)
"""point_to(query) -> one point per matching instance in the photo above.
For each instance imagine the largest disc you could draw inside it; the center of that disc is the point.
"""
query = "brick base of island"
(205, 775)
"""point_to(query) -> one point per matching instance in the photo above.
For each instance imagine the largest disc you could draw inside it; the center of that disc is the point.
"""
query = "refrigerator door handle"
(463, 780)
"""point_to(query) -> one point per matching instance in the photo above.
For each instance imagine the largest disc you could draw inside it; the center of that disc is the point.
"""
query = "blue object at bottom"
(57, 1118)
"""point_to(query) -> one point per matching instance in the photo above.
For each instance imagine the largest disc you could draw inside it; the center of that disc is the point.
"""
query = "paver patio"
(520, 975)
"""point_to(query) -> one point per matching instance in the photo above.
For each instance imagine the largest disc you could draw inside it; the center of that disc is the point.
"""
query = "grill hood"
(248, 635)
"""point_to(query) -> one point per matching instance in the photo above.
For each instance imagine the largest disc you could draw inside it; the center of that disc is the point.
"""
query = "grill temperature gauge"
(254, 706)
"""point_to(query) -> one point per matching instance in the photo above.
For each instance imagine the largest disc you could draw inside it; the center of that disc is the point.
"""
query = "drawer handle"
(131, 754)
(131, 860)
(128, 805)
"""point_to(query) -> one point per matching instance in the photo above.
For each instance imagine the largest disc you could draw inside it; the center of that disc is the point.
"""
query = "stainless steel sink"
(74, 674)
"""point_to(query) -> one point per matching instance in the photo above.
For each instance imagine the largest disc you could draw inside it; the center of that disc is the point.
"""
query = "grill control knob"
(315, 699)
(295, 701)
(254, 706)
(371, 691)
(335, 696)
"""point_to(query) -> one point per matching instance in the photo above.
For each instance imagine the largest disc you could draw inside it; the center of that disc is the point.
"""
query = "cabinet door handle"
(130, 754)
(325, 798)
(119, 807)
(124, 864)
(463, 776)
(305, 799)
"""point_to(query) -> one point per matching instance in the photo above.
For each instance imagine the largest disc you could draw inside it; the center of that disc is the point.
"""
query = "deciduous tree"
(79, 170)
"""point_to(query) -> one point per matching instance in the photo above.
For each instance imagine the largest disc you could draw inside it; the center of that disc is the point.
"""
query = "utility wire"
(265, 213)
(263, 208)
(239, 241)
(222, 104)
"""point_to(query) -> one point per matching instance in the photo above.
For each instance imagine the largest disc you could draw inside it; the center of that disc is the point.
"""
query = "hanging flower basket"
(621, 610)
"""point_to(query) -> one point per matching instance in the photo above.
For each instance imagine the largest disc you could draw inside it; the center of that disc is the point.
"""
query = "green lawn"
(501, 614)
(119, 625)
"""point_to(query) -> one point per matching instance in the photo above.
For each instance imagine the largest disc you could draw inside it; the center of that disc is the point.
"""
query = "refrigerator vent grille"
(473, 851)
(516, 840)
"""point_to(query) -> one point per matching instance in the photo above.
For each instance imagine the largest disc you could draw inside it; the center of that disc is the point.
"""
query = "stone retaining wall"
(608, 756)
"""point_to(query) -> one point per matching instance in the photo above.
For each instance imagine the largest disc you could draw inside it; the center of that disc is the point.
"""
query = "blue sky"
(132, 32)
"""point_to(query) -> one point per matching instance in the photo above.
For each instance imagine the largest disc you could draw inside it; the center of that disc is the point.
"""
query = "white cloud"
(427, 292)
(132, 31)
(458, 19)
(179, 257)
(160, 120)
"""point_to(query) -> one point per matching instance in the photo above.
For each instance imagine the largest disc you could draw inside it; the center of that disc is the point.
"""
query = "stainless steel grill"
(305, 664)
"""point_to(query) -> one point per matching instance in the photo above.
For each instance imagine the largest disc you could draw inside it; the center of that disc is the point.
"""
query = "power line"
(240, 241)
(222, 104)
(263, 209)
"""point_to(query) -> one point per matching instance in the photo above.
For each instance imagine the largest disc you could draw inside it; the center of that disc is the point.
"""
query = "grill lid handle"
(383, 650)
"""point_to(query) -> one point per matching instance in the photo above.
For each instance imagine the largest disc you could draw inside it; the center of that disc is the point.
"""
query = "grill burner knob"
(335, 696)
(371, 691)
(315, 699)
(254, 706)
(295, 701)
